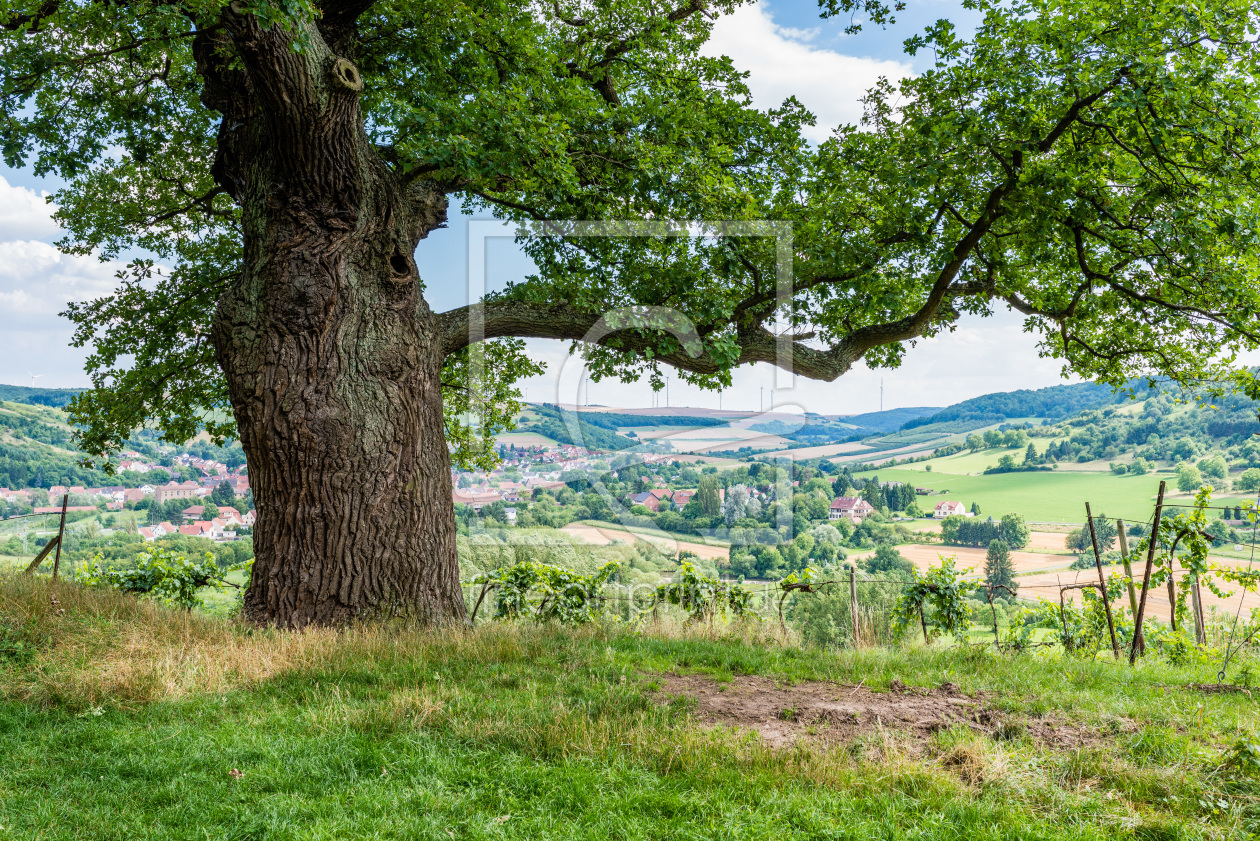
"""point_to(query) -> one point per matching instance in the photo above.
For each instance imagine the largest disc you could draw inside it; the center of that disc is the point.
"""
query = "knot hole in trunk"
(401, 269)
(346, 75)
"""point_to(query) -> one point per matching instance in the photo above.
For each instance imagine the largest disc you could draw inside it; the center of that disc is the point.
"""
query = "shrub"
(545, 593)
(157, 574)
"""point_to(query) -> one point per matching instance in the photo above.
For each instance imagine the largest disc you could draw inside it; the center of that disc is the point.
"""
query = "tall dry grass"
(95, 646)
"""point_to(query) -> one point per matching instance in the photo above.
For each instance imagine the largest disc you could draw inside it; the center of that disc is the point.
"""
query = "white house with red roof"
(851, 508)
(203, 528)
(948, 508)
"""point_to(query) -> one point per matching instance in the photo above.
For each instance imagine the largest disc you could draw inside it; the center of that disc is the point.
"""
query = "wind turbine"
(34, 377)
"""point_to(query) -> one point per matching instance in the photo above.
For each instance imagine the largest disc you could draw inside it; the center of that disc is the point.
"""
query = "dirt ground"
(826, 712)
(923, 556)
(1048, 541)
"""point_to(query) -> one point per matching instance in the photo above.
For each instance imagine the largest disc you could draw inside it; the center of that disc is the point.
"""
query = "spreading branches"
(597, 73)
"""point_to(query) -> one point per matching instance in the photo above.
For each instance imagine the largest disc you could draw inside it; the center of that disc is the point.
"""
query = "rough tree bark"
(331, 354)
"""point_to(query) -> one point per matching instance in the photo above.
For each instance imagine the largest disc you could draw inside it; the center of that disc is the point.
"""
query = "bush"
(887, 559)
(546, 593)
(157, 574)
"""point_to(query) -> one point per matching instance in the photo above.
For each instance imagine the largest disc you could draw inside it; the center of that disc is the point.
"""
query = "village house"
(203, 528)
(56, 509)
(193, 513)
(681, 498)
(948, 508)
(173, 490)
(647, 499)
(852, 508)
(475, 501)
(152, 533)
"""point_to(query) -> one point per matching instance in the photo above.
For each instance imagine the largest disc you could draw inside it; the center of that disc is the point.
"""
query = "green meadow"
(1041, 496)
(124, 720)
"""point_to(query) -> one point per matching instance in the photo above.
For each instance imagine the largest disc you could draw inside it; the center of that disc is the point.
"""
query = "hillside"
(55, 397)
(1053, 403)
(124, 720)
(37, 450)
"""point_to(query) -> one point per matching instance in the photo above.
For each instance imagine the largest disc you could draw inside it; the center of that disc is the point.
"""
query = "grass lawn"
(968, 462)
(123, 720)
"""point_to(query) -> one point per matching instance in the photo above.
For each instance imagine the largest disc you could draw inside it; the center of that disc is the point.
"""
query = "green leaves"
(157, 574)
(1092, 165)
(938, 600)
(545, 593)
(480, 398)
(703, 597)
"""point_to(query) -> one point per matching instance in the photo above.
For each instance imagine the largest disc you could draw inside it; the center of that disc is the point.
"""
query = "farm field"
(526, 439)
(969, 463)
(1047, 496)
(604, 534)
(968, 557)
(822, 451)
(698, 439)
(883, 455)
(1046, 585)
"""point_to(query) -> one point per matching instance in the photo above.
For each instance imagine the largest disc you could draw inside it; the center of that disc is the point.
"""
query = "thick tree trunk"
(334, 378)
(331, 355)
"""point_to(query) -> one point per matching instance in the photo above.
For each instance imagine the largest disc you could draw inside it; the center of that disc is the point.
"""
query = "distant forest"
(57, 398)
(1053, 403)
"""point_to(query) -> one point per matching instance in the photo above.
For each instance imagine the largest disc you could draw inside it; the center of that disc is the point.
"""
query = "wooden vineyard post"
(1146, 574)
(1172, 593)
(853, 607)
(1128, 573)
(1200, 632)
(43, 553)
(1062, 611)
(997, 640)
(1102, 582)
(61, 534)
(55, 543)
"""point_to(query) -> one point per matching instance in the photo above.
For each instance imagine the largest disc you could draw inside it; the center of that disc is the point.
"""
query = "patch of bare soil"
(827, 712)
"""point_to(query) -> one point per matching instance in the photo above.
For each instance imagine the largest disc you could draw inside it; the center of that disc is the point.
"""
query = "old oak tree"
(276, 164)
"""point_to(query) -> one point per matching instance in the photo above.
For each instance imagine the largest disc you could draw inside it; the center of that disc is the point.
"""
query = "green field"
(1043, 496)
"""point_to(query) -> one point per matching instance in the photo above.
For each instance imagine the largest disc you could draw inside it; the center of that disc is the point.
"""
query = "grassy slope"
(1047, 496)
(130, 719)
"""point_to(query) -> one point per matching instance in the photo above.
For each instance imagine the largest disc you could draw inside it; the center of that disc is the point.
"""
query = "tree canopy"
(1090, 164)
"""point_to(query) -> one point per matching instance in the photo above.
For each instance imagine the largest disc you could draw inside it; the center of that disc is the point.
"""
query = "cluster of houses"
(116, 497)
(508, 492)
(658, 498)
(540, 468)
(222, 527)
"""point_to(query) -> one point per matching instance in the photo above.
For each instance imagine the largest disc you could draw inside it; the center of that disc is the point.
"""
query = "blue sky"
(788, 50)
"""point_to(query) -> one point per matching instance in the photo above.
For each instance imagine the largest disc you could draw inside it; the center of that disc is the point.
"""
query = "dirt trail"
(829, 712)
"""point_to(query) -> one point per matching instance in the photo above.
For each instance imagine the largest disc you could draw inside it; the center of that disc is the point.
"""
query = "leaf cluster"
(158, 574)
(546, 593)
(703, 597)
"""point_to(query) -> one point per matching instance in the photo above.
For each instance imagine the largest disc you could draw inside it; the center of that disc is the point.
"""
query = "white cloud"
(36, 283)
(781, 63)
(24, 214)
